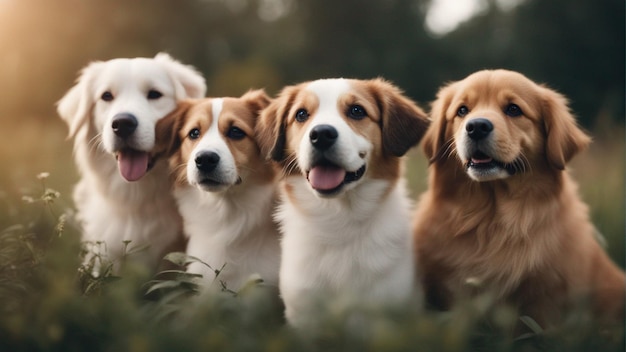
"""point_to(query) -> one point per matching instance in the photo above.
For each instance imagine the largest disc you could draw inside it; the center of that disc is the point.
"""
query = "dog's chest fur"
(116, 211)
(503, 246)
(339, 247)
(233, 228)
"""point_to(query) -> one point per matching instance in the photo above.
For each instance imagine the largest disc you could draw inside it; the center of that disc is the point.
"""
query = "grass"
(50, 304)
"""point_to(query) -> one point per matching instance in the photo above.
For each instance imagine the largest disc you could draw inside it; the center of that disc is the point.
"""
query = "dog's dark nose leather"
(479, 128)
(323, 136)
(207, 161)
(124, 124)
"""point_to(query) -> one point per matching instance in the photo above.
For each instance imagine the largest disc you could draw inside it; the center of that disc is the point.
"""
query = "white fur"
(110, 209)
(230, 226)
(355, 247)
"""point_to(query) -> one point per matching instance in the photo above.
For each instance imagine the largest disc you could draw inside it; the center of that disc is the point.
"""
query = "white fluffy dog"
(124, 191)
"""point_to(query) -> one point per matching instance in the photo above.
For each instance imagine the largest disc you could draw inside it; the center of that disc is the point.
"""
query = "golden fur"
(520, 232)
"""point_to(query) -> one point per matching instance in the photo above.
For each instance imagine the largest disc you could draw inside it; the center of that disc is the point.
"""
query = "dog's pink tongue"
(133, 164)
(482, 161)
(326, 177)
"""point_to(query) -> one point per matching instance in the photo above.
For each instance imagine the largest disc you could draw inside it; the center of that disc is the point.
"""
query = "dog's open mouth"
(328, 178)
(483, 162)
(133, 164)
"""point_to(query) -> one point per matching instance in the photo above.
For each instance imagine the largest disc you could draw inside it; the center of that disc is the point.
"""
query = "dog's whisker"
(520, 164)
(95, 142)
(179, 177)
(291, 165)
(526, 163)
(448, 149)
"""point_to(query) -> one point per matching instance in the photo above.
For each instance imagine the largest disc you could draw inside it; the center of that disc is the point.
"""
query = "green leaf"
(162, 284)
(531, 323)
(183, 259)
(180, 273)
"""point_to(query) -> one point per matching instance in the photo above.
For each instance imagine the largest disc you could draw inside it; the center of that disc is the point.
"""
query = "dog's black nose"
(323, 136)
(478, 129)
(124, 124)
(207, 161)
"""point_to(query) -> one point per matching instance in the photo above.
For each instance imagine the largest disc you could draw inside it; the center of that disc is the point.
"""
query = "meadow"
(49, 302)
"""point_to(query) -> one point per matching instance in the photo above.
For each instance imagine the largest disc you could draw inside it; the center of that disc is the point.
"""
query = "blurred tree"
(575, 46)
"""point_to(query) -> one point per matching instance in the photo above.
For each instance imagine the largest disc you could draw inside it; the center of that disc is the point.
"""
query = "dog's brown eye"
(302, 115)
(356, 112)
(194, 133)
(462, 111)
(154, 94)
(513, 110)
(235, 133)
(107, 96)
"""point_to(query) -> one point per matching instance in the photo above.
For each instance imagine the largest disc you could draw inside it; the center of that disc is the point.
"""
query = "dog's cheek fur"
(167, 129)
(270, 130)
(564, 138)
(171, 141)
(437, 134)
(529, 136)
(507, 137)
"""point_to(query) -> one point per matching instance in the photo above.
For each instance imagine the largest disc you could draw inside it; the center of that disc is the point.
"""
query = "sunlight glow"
(444, 16)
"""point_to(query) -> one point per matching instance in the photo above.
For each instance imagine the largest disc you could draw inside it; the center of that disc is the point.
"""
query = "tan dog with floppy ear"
(345, 215)
(502, 215)
(225, 190)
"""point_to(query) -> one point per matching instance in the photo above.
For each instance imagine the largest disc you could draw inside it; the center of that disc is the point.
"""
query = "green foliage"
(51, 301)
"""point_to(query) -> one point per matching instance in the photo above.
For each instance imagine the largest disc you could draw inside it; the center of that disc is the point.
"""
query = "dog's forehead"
(200, 115)
(328, 91)
(140, 74)
(494, 88)
(238, 109)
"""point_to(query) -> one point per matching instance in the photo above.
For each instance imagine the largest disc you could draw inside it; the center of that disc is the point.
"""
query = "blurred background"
(575, 46)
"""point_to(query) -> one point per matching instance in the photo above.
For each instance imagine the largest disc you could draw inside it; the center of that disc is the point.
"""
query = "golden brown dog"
(501, 212)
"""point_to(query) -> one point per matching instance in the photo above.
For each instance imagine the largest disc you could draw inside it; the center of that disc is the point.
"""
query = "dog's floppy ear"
(188, 82)
(270, 128)
(75, 106)
(166, 130)
(564, 138)
(435, 138)
(403, 122)
(256, 100)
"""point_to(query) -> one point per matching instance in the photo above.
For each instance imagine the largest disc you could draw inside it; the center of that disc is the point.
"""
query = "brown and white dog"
(345, 215)
(224, 189)
(111, 113)
(501, 212)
